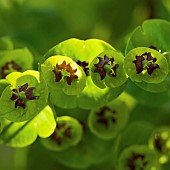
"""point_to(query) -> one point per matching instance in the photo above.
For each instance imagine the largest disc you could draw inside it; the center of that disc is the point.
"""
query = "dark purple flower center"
(100, 67)
(136, 161)
(23, 94)
(67, 67)
(8, 68)
(160, 144)
(84, 66)
(62, 131)
(106, 116)
(145, 62)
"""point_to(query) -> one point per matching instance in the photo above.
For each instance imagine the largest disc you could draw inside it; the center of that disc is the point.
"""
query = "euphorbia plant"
(86, 99)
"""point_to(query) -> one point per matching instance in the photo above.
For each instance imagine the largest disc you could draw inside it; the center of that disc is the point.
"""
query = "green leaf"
(44, 122)
(2, 123)
(21, 134)
(3, 84)
(18, 134)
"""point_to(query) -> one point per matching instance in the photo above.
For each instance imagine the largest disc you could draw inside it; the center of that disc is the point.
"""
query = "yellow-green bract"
(25, 97)
(62, 73)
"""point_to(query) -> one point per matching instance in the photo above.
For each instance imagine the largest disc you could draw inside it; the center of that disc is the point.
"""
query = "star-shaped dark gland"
(62, 131)
(84, 66)
(106, 116)
(136, 161)
(9, 67)
(22, 94)
(65, 70)
(106, 65)
(145, 62)
(160, 144)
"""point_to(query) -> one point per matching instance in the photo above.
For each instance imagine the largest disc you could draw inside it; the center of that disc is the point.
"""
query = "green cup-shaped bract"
(68, 133)
(146, 65)
(106, 69)
(83, 52)
(15, 60)
(152, 33)
(138, 157)
(107, 122)
(25, 97)
(79, 50)
(160, 142)
(91, 97)
(62, 73)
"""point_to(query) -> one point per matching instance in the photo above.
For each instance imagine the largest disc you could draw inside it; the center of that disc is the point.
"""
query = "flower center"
(162, 144)
(9, 67)
(136, 161)
(106, 65)
(23, 94)
(145, 63)
(65, 70)
(84, 66)
(106, 116)
(62, 131)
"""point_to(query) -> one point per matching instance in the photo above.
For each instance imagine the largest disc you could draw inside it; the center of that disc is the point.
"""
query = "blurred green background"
(41, 24)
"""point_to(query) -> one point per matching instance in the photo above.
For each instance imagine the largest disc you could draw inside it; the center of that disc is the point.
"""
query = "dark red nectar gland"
(160, 144)
(84, 66)
(145, 62)
(106, 115)
(62, 131)
(8, 68)
(23, 94)
(132, 162)
(58, 71)
(100, 67)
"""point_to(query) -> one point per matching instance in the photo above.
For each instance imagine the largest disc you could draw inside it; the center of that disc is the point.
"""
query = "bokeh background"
(44, 23)
(41, 24)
